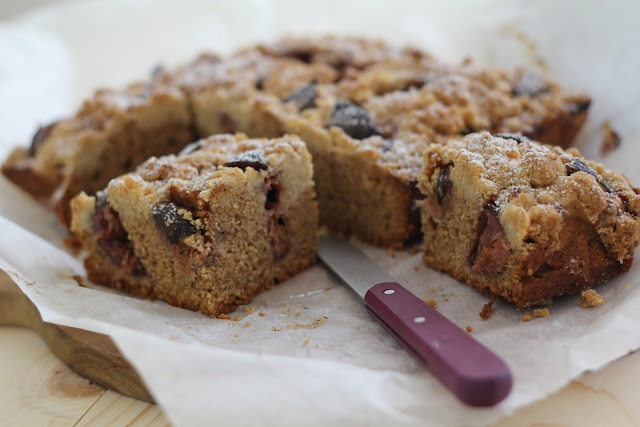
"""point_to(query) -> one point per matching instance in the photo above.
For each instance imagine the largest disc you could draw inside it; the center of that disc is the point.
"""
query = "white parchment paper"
(306, 352)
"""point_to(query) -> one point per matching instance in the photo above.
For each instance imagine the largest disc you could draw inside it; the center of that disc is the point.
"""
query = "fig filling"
(276, 224)
(490, 252)
(113, 238)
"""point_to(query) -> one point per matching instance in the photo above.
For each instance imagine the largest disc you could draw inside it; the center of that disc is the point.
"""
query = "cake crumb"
(237, 334)
(487, 310)
(610, 139)
(297, 313)
(469, 329)
(391, 253)
(413, 251)
(626, 286)
(526, 317)
(261, 314)
(224, 316)
(236, 318)
(80, 281)
(541, 312)
(415, 268)
(357, 327)
(305, 342)
(432, 290)
(317, 345)
(431, 302)
(247, 324)
(538, 312)
(248, 310)
(591, 298)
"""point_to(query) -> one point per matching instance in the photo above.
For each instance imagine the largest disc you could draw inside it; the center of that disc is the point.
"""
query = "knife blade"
(472, 372)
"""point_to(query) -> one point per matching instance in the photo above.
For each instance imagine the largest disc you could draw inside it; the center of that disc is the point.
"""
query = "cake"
(524, 221)
(366, 111)
(207, 229)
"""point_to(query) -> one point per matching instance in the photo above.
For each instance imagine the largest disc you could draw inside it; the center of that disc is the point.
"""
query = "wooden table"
(36, 388)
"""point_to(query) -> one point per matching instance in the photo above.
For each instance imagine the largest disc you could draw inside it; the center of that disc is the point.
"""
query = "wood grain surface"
(90, 354)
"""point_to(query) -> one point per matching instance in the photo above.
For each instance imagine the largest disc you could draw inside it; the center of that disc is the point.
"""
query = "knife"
(473, 373)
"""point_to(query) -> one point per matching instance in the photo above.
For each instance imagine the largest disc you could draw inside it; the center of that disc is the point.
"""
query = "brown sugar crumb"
(248, 310)
(236, 318)
(391, 253)
(487, 310)
(469, 329)
(261, 314)
(415, 268)
(247, 324)
(413, 251)
(610, 139)
(431, 302)
(541, 312)
(305, 342)
(591, 298)
(224, 316)
(297, 313)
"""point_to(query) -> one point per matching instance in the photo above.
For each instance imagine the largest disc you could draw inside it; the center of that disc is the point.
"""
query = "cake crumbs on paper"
(317, 345)
(295, 325)
(610, 139)
(357, 327)
(590, 298)
(235, 319)
(305, 342)
(237, 334)
(261, 314)
(391, 253)
(224, 316)
(487, 310)
(413, 251)
(248, 310)
(538, 312)
(469, 329)
(432, 290)
(626, 285)
(297, 313)
(431, 303)
(415, 268)
(79, 280)
(247, 324)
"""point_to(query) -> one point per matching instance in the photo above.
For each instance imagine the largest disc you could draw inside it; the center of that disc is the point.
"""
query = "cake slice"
(524, 221)
(205, 230)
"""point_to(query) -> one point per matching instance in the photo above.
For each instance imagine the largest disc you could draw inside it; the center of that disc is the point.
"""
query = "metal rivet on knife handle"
(470, 370)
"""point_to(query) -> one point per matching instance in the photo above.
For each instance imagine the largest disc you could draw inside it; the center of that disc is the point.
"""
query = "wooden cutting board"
(90, 354)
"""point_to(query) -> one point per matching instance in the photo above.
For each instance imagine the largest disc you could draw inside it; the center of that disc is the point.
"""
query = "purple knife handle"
(470, 370)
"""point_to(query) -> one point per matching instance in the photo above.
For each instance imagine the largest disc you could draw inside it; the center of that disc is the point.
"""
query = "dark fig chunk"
(490, 252)
(520, 139)
(40, 136)
(277, 230)
(530, 85)
(192, 148)
(255, 159)
(304, 97)
(113, 239)
(444, 184)
(576, 165)
(354, 120)
(171, 223)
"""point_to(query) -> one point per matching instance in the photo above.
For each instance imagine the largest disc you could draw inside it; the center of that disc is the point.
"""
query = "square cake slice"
(208, 229)
(524, 221)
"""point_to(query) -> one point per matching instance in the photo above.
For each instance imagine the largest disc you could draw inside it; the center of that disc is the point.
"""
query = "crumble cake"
(366, 111)
(205, 230)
